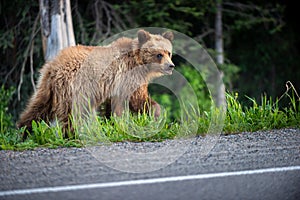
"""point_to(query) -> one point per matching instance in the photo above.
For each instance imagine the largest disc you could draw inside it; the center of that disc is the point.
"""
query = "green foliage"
(171, 103)
(199, 86)
(9, 137)
(17, 36)
(177, 15)
(245, 16)
(271, 62)
(6, 123)
(11, 140)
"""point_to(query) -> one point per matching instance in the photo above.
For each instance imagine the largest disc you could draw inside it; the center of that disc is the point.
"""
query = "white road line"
(145, 181)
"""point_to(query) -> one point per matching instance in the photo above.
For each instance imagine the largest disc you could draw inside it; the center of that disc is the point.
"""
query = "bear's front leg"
(138, 104)
(141, 102)
(155, 107)
(117, 106)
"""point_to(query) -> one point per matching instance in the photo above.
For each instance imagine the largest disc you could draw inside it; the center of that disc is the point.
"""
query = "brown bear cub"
(81, 78)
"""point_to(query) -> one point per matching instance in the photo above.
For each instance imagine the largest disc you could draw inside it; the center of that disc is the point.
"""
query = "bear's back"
(66, 64)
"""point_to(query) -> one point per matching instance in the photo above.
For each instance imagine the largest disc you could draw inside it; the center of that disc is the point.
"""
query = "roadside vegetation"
(264, 115)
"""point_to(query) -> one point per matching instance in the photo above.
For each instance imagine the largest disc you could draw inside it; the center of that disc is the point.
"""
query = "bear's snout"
(168, 69)
(171, 65)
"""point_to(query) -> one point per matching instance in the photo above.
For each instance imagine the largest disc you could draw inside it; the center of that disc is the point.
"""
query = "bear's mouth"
(168, 71)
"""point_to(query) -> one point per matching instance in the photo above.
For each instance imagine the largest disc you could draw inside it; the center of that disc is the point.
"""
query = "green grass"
(264, 115)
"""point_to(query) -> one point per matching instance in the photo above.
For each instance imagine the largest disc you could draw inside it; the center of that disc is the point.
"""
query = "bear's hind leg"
(38, 108)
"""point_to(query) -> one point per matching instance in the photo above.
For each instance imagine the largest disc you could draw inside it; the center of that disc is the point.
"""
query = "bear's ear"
(168, 35)
(143, 36)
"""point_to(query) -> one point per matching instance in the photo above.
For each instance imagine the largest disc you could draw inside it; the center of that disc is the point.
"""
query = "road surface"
(260, 165)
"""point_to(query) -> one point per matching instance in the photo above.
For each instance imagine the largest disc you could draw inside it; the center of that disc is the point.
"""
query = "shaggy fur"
(81, 78)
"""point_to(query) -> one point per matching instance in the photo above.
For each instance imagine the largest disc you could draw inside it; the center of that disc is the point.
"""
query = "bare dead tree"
(83, 32)
(57, 26)
(29, 50)
(219, 34)
(220, 94)
(106, 19)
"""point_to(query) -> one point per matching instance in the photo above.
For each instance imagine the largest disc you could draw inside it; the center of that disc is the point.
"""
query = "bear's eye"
(159, 56)
(169, 54)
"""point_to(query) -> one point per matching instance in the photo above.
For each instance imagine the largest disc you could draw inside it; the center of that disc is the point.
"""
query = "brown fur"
(81, 78)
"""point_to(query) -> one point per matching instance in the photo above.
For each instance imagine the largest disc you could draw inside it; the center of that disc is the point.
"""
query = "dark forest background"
(261, 39)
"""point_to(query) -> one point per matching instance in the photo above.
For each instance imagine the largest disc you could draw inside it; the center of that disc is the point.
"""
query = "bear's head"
(155, 51)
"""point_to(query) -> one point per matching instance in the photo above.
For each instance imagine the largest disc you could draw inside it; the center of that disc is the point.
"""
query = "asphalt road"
(260, 165)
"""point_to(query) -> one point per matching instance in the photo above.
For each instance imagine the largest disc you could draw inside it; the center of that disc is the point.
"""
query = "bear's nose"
(171, 65)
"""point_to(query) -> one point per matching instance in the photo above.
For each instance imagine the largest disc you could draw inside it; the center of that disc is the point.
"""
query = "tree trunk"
(56, 26)
(220, 93)
(219, 34)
